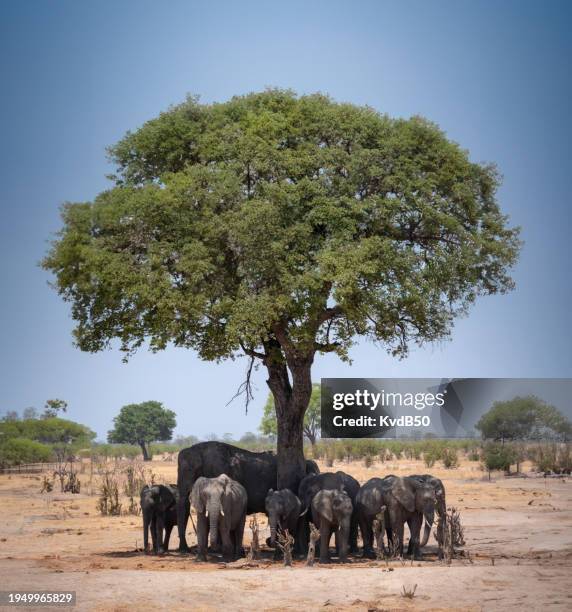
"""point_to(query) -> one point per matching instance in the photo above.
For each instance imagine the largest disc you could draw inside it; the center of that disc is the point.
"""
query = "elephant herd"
(224, 483)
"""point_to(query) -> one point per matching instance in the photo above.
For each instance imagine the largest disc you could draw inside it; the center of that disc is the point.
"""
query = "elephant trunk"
(429, 518)
(273, 531)
(214, 512)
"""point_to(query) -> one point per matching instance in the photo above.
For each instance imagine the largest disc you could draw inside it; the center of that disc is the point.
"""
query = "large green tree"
(278, 227)
(142, 424)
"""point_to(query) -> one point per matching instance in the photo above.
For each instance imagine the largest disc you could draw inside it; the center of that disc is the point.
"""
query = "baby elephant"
(221, 510)
(159, 510)
(332, 512)
(283, 510)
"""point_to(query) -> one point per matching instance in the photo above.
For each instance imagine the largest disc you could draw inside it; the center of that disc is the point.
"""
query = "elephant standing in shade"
(310, 485)
(370, 500)
(256, 472)
(159, 511)
(409, 501)
(283, 511)
(332, 513)
(221, 505)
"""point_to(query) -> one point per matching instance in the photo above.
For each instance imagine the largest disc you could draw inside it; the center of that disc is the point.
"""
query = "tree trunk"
(291, 401)
(146, 456)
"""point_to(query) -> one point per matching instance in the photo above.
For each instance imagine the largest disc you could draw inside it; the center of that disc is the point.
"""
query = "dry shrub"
(450, 535)
(47, 485)
(408, 592)
(135, 479)
(450, 458)
(108, 503)
(368, 461)
(254, 551)
(285, 543)
(314, 537)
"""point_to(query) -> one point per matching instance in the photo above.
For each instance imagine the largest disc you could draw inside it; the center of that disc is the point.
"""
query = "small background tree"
(312, 418)
(524, 418)
(142, 424)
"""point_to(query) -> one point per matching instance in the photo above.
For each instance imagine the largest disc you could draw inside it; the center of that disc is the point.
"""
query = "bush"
(473, 455)
(431, 455)
(450, 458)
(19, 450)
(498, 457)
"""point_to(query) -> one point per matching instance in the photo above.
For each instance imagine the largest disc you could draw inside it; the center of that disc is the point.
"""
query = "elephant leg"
(303, 535)
(227, 544)
(202, 536)
(293, 531)
(389, 534)
(238, 536)
(160, 526)
(325, 535)
(353, 534)
(168, 529)
(398, 531)
(342, 543)
(183, 510)
(367, 537)
(154, 532)
(414, 547)
(146, 523)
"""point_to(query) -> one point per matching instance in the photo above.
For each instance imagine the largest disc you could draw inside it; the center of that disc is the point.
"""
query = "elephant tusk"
(221, 512)
(207, 514)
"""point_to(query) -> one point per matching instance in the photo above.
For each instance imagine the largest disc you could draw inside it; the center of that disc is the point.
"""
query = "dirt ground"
(518, 553)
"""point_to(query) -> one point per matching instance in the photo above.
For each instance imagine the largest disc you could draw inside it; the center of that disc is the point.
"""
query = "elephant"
(332, 512)
(370, 500)
(256, 472)
(159, 510)
(221, 505)
(440, 507)
(283, 511)
(313, 483)
(409, 501)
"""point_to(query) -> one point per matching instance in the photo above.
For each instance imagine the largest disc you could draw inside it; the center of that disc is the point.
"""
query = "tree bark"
(291, 400)
(146, 456)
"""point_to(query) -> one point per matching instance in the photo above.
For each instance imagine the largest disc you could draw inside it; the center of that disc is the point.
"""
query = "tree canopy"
(278, 226)
(524, 418)
(312, 418)
(142, 424)
(32, 439)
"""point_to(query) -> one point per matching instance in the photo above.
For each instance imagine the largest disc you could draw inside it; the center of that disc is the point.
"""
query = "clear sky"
(75, 76)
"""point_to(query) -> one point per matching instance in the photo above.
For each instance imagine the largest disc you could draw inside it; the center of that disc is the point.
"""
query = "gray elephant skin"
(407, 500)
(159, 511)
(310, 485)
(256, 472)
(283, 510)
(332, 513)
(440, 507)
(221, 505)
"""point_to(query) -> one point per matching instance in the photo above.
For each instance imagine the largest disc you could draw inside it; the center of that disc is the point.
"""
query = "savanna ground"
(518, 553)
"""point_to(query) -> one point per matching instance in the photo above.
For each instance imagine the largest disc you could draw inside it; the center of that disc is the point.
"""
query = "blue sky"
(75, 76)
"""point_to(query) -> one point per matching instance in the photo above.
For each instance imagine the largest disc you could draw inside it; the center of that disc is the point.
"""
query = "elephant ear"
(403, 495)
(196, 495)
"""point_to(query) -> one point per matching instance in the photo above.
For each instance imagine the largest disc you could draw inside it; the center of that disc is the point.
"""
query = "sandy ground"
(518, 554)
